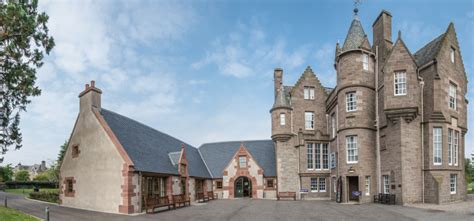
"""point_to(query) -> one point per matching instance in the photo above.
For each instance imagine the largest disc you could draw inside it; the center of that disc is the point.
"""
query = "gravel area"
(461, 207)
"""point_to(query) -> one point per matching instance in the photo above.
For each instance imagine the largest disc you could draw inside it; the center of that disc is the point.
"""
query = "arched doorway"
(243, 187)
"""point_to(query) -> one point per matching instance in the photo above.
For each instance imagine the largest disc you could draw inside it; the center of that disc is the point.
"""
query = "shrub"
(41, 177)
(52, 197)
(31, 185)
(22, 175)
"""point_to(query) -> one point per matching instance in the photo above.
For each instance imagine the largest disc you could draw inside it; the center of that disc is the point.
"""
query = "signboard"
(304, 190)
(356, 193)
(333, 160)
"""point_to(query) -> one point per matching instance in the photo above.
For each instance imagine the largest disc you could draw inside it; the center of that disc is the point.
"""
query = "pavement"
(247, 209)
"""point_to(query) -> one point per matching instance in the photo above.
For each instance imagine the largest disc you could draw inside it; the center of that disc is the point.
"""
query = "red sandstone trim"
(127, 190)
(66, 192)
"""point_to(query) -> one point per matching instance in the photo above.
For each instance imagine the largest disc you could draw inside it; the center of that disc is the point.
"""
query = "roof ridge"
(233, 141)
(432, 41)
(147, 126)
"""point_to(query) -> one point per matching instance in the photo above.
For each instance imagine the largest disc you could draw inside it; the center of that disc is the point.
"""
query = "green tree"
(41, 177)
(24, 39)
(6, 173)
(22, 175)
(62, 151)
(469, 170)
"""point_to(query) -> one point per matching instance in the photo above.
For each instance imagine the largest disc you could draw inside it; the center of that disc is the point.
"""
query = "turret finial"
(356, 7)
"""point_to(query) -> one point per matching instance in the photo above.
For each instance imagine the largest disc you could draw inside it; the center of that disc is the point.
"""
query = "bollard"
(6, 203)
(47, 214)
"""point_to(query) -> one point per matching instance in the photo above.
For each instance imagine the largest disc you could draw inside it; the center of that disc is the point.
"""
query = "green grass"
(7, 214)
(26, 192)
(470, 188)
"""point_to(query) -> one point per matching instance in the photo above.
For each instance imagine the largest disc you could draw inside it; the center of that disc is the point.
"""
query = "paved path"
(247, 209)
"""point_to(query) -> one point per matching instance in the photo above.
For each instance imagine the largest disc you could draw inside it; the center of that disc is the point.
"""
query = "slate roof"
(429, 51)
(355, 36)
(218, 155)
(149, 148)
(281, 100)
(174, 157)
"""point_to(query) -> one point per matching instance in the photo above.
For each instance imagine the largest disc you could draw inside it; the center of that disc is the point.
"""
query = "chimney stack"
(90, 98)
(382, 33)
(278, 78)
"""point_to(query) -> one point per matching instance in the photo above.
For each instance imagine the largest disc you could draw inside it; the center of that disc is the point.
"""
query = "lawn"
(470, 188)
(26, 192)
(7, 214)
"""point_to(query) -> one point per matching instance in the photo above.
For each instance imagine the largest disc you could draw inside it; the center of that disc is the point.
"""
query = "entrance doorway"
(354, 193)
(243, 187)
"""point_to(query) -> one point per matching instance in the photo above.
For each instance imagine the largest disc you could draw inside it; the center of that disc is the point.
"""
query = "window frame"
(308, 93)
(456, 147)
(365, 61)
(322, 183)
(272, 183)
(317, 156)
(219, 186)
(334, 184)
(367, 185)
(282, 119)
(452, 94)
(310, 156)
(333, 125)
(400, 79)
(453, 185)
(450, 146)
(386, 184)
(437, 146)
(325, 156)
(452, 55)
(309, 121)
(351, 145)
(351, 101)
(315, 185)
(244, 163)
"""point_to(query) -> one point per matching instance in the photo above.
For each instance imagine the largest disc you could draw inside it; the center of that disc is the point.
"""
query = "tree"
(62, 151)
(6, 173)
(24, 39)
(41, 177)
(22, 175)
(469, 170)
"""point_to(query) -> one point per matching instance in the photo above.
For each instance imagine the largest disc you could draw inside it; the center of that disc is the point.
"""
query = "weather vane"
(356, 6)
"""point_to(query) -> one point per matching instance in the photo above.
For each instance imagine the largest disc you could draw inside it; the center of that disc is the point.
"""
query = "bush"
(52, 197)
(22, 175)
(41, 177)
(31, 185)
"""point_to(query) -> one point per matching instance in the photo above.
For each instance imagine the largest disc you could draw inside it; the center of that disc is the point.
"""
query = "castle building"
(394, 124)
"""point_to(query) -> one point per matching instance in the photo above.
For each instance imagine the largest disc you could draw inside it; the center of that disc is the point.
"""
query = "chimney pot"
(92, 83)
(87, 86)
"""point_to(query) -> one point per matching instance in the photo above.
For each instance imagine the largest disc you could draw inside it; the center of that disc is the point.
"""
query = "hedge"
(52, 197)
(30, 184)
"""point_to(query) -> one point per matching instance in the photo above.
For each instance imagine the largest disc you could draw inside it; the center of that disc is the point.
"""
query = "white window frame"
(452, 96)
(365, 61)
(282, 119)
(400, 83)
(351, 149)
(325, 156)
(309, 120)
(450, 146)
(437, 146)
(386, 184)
(456, 147)
(242, 162)
(308, 93)
(317, 156)
(452, 55)
(333, 125)
(310, 156)
(322, 184)
(334, 184)
(315, 186)
(367, 185)
(351, 101)
(453, 180)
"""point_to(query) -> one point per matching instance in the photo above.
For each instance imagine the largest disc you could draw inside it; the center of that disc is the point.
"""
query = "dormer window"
(309, 93)
(365, 61)
(451, 54)
(400, 83)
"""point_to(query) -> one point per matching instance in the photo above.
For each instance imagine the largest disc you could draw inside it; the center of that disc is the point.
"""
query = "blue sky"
(202, 70)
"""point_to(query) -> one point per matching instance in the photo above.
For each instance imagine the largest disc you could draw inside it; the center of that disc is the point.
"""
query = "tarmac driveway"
(246, 209)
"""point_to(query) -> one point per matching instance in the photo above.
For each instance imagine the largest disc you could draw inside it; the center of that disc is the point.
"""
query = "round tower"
(281, 110)
(355, 66)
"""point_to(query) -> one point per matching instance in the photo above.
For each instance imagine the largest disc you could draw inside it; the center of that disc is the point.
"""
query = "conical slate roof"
(355, 36)
(280, 99)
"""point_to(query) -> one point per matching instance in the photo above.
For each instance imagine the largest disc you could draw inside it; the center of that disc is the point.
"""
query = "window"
(455, 147)
(437, 145)
(400, 83)
(318, 156)
(334, 184)
(309, 93)
(314, 184)
(451, 54)
(270, 183)
(322, 184)
(310, 155)
(325, 156)
(69, 186)
(218, 184)
(351, 101)
(386, 184)
(282, 119)
(450, 146)
(242, 161)
(333, 125)
(367, 185)
(365, 61)
(452, 183)
(75, 151)
(452, 96)
(309, 120)
(352, 155)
